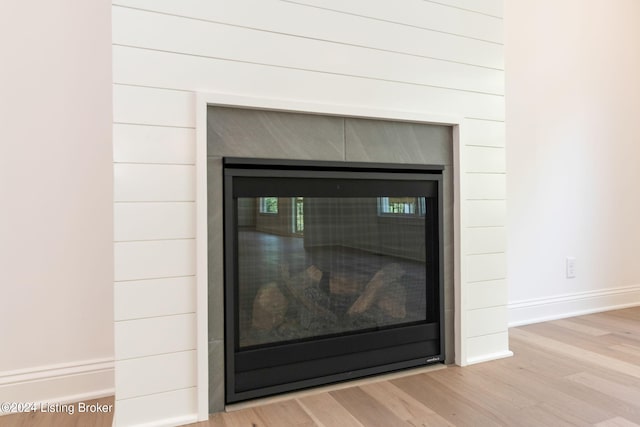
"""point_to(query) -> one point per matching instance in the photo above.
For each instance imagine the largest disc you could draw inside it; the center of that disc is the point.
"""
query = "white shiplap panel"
(155, 374)
(140, 100)
(481, 186)
(486, 294)
(489, 7)
(486, 347)
(157, 31)
(154, 336)
(153, 183)
(154, 259)
(485, 213)
(421, 14)
(171, 408)
(319, 24)
(486, 267)
(153, 144)
(134, 66)
(485, 159)
(154, 221)
(486, 321)
(485, 240)
(139, 299)
(484, 133)
(149, 105)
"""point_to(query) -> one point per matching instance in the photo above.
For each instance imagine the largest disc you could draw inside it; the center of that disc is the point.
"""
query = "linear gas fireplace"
(333, 271)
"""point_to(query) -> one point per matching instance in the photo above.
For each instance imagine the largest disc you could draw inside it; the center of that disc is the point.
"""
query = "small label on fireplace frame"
(433, 359)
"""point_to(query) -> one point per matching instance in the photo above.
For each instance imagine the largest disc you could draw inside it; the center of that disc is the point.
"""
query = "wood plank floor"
(67, 415)
(582, 371)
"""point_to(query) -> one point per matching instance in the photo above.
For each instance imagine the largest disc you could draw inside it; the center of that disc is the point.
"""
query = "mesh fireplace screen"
(323, 266)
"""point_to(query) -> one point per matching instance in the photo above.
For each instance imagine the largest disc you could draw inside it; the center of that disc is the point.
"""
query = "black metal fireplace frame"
(304, 363)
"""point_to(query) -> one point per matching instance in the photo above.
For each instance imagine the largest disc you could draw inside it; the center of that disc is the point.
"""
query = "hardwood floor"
(583, 371)
(68, 415)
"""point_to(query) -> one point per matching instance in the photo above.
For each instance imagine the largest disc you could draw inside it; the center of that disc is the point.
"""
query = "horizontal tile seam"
(158, 277)
(394, 22)
(483, 119)
(299, 36)
(470, 309)
(124, 202)
(124, 285)
(488, 307)
(489, 147)
(154, 201)
(152, 124)
(178, 313)
(306, 70)
(156, 391)
(116, 162)
(488, 334)
(467, 10)
(155, 240)
(481, 282)
(488, 253)
(183, 91)
(164, 316)
(169, 353)
(485, 226)
(159, 391)
(484, 173)
(474, 282)
(503, 146)
(478, 282)
(484, 253)
(152, 278)
(193, 92)
(158, 394)
(117, 282)
(127, 124)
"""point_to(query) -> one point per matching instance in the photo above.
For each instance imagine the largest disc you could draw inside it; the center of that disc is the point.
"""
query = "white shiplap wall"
(443, 57)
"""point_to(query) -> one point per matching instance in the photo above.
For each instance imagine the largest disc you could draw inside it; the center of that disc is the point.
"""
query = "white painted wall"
(56, 221)
(425, 57)
(573, 109)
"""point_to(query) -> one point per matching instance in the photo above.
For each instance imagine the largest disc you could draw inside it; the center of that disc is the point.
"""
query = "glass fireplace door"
(352, 267)
(325, 269)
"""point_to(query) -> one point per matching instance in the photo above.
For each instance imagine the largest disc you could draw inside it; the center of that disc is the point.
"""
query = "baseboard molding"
(569, 305)
(489, 357)
(171, 422)
(59, 383)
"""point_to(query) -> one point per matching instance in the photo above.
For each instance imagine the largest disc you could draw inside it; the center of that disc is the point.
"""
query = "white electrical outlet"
(571, 267)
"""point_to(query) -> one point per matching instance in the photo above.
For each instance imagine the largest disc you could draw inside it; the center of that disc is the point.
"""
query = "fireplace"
(332, 271)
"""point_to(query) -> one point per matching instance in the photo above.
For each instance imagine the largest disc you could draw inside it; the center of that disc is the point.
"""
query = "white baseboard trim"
(59, 383)
(171, 422)
(569, 305)
(489, 357)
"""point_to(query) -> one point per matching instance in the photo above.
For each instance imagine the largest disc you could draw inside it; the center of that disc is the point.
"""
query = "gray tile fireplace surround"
(236, 132)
